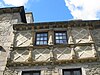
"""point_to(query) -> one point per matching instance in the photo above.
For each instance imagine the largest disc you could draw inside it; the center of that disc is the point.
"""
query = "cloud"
(1, 4)
(16, 2)
(84, 9)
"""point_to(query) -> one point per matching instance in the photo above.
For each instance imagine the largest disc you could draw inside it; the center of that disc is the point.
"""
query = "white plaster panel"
(23, 39)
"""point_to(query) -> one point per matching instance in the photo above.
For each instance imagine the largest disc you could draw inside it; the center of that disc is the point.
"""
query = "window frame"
(31, 72)
(60, 39)
(41, 40)
(72, 71)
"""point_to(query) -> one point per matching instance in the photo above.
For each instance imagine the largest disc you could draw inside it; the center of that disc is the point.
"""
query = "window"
(72, 72)
(31, 73)
(41, 38)
(60, 38)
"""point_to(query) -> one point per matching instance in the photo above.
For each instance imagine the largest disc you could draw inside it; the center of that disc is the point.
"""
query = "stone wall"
(6, 36)
(92, 68)
(96, 37)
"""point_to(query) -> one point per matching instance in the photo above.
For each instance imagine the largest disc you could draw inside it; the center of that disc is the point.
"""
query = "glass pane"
(45, 42)
(45, 38)
(63, 33)
(61, 41)
(67, 73)
(64, 37)
(60, 37)
(38, 35)
(41, 42)
(57, 41)
(57, 37)
(38, 38)
(35, 74)
(26, 74)
(56, 33)
(64, 41)
(45, 34)
(41, 34)
(41, 38)
(77, 73)
(37, 42)
(60, 33)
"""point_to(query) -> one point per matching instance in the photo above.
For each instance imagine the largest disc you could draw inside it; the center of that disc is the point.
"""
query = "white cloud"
(15, 2)
(1, 5)
(84, 9)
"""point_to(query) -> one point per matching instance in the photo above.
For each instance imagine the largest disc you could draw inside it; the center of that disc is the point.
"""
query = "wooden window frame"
(40, 37)
(31, 72)
(60, 39)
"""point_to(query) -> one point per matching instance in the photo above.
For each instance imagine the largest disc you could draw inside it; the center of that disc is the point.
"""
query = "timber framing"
(32, 62)
(54, 46)
(55, 62)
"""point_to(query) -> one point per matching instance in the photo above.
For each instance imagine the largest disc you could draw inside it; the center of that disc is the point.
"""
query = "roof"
(14, 10)
(59, 24)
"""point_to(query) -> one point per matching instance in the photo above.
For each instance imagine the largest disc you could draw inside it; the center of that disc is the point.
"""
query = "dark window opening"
(31, 73)
(72, 72)
(41, 38)
(60, 37)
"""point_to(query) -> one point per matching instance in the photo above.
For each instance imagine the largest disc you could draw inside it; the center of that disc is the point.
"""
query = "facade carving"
(49, 48)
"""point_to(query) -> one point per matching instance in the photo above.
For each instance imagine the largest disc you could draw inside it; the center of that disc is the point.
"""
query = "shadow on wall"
(2, 49)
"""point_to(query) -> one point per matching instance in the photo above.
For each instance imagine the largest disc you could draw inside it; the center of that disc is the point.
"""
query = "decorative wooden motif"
(80, 35)
(23, 39)
(19, 55)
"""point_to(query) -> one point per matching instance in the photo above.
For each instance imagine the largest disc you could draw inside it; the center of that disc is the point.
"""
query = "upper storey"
(55, 33)
(17, 13)
(59, 40)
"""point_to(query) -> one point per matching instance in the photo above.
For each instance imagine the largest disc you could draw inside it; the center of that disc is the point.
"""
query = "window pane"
(60, 33)
(41, 42)
(37, 42)
(67, 73)
(77, 73)
(45, 38)
(56, 33)
(26, 74)
(41, 38)
(61, 41)
(64, 34)
(35, 73)
(31, 73)
(45, 34)
(57, 37)
(38, 38)
(57, 41)
(60, 37)
(42, 34)
(45, 42)
(64, 37)
(72, 72)
(65, 41)
(38, 35)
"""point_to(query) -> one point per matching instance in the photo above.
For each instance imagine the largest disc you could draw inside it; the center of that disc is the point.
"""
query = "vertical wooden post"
(33, 36)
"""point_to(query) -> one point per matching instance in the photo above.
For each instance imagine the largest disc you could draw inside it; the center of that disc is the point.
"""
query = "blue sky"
(58, 10)
(49, 10)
